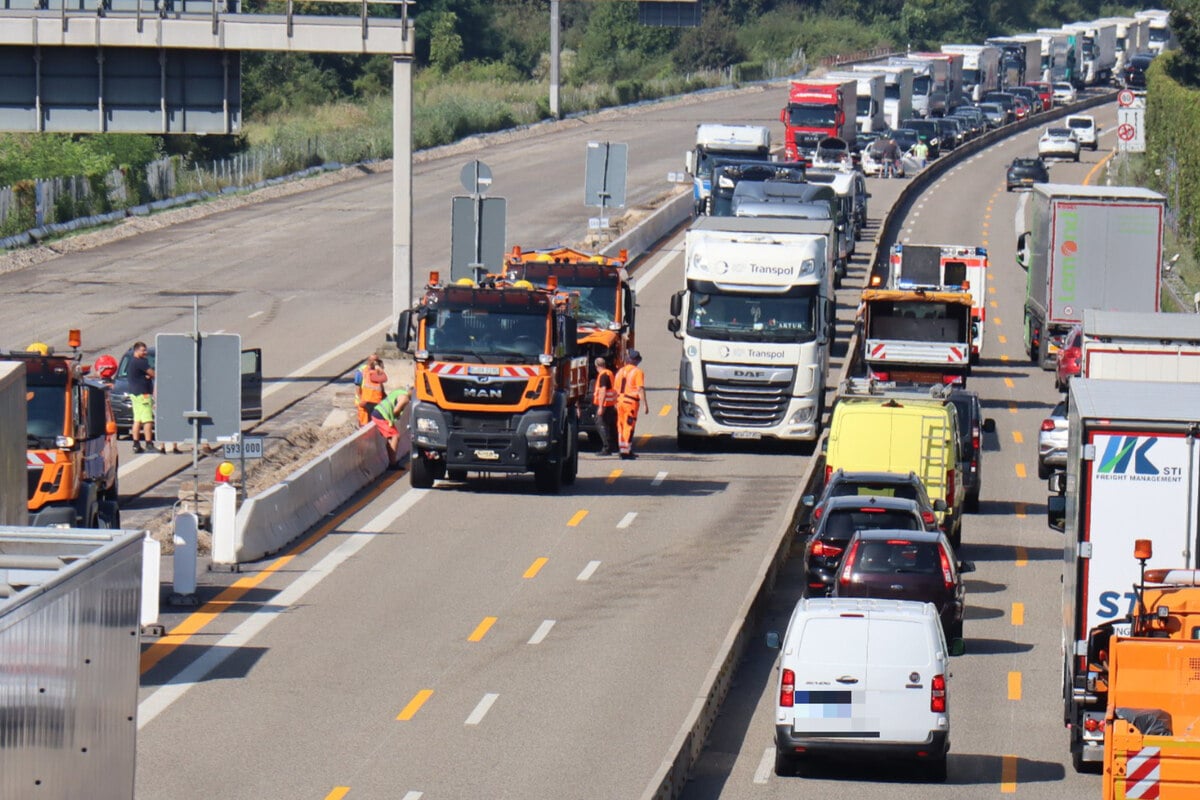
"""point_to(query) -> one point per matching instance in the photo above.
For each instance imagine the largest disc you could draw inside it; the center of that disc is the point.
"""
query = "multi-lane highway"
(482, 640)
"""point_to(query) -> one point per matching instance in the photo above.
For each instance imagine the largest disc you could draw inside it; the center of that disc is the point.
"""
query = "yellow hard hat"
(40, 348)
(464, 282)
(522, 284)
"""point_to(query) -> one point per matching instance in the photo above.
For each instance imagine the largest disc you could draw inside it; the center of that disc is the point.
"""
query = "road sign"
(1125, 98)
(604, 175)
(209, 392)
(1131, 130)
(476, 177)
(252, 445)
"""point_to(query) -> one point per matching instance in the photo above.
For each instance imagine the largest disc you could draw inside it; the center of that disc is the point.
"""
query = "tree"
(445, 45)
(712, 45)
(1185, 24)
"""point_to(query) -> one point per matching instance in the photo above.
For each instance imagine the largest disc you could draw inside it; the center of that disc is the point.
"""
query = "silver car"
(1052, 442)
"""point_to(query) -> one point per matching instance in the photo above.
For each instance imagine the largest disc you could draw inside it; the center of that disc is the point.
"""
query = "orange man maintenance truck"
(605, 316)
(946, 268)
(71, 441)
(499, 380)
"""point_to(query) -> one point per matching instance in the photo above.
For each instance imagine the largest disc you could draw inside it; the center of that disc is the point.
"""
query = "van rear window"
(843, 523)
(906, 491)
(897, 643)
(833, 641)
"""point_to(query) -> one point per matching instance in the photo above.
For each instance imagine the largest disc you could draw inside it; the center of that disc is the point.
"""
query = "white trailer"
(1099, 50)
(1161, 37)
(928, 85)
(69, 638)
(869, 114)
(1133, 37)
(897, 91)
(1140, 346)
(1057, 56)
(757, 318)
(980, 69)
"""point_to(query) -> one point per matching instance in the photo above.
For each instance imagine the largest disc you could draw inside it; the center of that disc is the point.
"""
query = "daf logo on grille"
(749, 374)
(488, 393)
(723, 351)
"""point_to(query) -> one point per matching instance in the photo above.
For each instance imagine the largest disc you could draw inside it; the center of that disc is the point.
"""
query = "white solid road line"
(643, 278)
(413, 796)
(766, 766)
(627, 520)
(588, 571)
(240, 636)
(256, 314)
(542, 632)
(350, 344)
(481, 710)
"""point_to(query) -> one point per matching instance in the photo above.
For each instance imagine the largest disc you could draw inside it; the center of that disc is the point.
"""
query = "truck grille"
(499, 393)
(747, 404)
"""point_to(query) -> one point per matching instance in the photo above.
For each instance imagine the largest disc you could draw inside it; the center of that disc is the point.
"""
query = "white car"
(1064, 93)
(1058, 143)
(1084, 126)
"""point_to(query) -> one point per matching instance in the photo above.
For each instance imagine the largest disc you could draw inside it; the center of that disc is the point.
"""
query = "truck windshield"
(864, 107)
(921, 84)
(45, 412)
(892, 91)
(742, 317)
(970, 77)
(485, 334)
(918, 321)
(812, 116)
(597, 300)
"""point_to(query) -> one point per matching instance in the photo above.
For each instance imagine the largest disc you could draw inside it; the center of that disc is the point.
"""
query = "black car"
(950, 132)
(843, 516)
(1031, 95)
(972, 426)
(1135, 71)
(122, 403)
(973, 117)
(929, 132)
(881, 484)
(1025, 172)
(1006, 101)
(905, 138)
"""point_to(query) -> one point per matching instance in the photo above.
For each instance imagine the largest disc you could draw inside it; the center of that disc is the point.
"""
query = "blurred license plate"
(747, 435)
(487, 455)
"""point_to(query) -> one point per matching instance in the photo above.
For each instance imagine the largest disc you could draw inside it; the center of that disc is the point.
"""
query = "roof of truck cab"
(1070, 190)
(1141, 324)
(963, 298)
(1122, 402)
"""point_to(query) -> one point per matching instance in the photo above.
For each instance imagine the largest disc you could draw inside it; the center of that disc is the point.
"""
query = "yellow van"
(901, 434)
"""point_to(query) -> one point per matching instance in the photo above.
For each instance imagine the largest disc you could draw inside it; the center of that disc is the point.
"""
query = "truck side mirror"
(1023, 250)
(1056, 512)
(673, 325)
(676, 304)
(689, 162)
(403, 334)
(571, 335)
(773, 640)
(939, 504)
(989, 425)
(783, 115)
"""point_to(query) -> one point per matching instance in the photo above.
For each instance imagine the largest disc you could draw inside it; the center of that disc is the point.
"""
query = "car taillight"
(816, 515)
(937, 695)
(826, 550)
(1047, 425)
(927, 517)
(949, 488)
(947, 575)
(975, 437)
(828, 473)
(787, 689)
(848, 565)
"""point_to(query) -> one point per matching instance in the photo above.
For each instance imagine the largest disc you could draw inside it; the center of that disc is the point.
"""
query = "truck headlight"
(691, 410)
(803, 415)
(808, 266)
(427, 425)
(538, 430)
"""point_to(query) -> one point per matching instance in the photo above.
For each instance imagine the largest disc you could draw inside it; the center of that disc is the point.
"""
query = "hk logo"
(1121, 449)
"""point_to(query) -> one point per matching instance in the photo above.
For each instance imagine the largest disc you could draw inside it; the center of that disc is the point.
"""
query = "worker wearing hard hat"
(631, 396)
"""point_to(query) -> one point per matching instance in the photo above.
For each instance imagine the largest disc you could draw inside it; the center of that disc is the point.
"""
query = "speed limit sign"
(1125, 98)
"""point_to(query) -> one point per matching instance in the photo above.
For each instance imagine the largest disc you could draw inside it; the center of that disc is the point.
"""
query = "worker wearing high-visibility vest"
(631, 396)
(604, 398)
(369, 389)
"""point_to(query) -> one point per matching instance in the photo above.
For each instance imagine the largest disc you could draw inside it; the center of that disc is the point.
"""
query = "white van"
(863, 677)
(1084, 128)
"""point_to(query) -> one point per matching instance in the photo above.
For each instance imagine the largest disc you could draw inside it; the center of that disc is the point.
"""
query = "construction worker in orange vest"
(631, 396)
(604, 398)
(369, 380)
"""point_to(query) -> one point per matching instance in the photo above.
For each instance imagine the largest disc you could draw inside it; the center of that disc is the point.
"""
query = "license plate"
(747, 435)
(487, 455)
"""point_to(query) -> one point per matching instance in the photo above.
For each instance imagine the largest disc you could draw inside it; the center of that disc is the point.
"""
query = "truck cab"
(716, 141)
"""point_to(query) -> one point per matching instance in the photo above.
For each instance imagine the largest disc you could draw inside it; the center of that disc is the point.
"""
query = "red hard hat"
(106, 366)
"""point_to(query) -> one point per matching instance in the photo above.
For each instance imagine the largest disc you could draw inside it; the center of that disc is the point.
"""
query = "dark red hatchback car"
(906, 565)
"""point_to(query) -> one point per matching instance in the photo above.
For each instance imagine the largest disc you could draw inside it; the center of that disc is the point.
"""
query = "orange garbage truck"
(499, 381)
(1148, 667)
(71, 441)
(606, 306)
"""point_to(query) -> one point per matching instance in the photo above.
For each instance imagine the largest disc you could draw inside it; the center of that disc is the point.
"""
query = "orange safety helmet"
(106, 366)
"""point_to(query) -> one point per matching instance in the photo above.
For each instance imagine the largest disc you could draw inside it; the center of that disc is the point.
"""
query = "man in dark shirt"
(141, 395)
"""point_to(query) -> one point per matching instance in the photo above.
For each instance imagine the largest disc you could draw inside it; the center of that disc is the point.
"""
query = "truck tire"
(421, 475)
(109, 516)
(548, 477)
(570, 464)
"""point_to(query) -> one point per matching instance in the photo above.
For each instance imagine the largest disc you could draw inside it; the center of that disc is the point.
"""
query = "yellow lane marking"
(1004, 358)
(662, 412)
(1012, 408)
(578, 518)
(985, 225)
(1018, 613)
(1020, 470)
(991, 290)
(230, 595)
(481, 629)
(984, 242)
(1019, 512)
(1008, 774)
(988, 213)
(1008, 382)
(1096, 168)
(1022, 556)
(997, 320)
(612, 476)
(991, 277)
(414, 705)
(993, 304)
(1018, 437)
(338, 793)
(535, 567)
(1003, 339)
(1014, 686)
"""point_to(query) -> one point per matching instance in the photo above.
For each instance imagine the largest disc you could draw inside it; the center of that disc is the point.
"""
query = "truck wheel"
(109, 516)
(421, 476)
(548, 478)
(111, 493)
(971, 504)
(570, 467)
